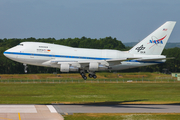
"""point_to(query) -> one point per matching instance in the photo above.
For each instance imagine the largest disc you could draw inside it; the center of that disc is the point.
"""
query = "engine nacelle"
(93, 66)
(74, 69)
(102, 67)
(66, 68)
(96, 66)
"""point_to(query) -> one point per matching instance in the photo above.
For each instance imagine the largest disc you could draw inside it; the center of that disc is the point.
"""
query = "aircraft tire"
(90, 75)
(84, 77)
(82, 74)
(94, 76)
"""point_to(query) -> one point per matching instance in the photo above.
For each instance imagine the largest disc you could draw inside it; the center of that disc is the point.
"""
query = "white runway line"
(17, 109)
(51, 108)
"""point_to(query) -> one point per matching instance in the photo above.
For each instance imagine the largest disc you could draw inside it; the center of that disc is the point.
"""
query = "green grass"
(123, 117)
(76, 76)
(46, 93)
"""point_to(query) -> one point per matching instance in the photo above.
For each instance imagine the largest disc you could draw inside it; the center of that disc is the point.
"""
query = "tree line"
(8, 66)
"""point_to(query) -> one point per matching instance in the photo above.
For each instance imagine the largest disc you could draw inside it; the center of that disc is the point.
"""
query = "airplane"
(67, 59)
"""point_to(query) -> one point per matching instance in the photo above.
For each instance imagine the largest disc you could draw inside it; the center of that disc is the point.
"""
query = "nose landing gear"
(25, 68)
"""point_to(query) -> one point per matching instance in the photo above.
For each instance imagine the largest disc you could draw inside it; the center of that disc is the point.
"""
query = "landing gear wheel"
(84, 77)
(94, 76)
(82, 73)
(90, 75)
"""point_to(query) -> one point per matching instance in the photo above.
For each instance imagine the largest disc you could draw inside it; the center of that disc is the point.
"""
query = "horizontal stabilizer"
(155, 59)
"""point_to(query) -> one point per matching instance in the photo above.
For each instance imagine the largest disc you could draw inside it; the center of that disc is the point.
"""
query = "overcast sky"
(127, 20)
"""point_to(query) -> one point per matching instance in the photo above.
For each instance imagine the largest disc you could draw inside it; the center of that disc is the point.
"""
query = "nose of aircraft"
(9, 52)
(6, 53)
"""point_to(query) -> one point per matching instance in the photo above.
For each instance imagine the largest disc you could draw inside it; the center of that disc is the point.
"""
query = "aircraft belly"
(128, 65)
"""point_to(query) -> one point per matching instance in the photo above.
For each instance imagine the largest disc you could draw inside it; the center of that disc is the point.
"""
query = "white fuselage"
(36, 53)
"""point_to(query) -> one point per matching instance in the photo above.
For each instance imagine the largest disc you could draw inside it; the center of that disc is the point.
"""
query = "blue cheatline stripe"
(77, 57)
(61, 56)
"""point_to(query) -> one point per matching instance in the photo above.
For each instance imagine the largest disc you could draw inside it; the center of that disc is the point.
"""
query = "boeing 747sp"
(146, 52)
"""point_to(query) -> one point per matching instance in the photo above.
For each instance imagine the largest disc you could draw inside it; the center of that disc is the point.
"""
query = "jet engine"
(96, 67)
(67, 68)
(93, 66)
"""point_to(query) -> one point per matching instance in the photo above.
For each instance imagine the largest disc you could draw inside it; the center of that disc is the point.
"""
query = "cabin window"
(20, 44)
(43, 46)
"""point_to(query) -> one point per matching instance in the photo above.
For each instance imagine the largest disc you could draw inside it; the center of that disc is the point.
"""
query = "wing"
(82, 64)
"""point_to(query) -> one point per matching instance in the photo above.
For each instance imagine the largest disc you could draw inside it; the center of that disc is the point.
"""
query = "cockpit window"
(20, 44)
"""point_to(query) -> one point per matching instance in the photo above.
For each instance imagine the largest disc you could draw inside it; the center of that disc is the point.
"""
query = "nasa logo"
(140, 48)
(156, 41)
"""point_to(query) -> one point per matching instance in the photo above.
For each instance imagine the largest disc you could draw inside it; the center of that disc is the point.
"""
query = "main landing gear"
(82, 73)
(91, 75)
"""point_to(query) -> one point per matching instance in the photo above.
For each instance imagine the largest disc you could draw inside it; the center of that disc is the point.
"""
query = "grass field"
(119, 116)
(100, 93)
(76, 76)
(109, 88)
(137, 77)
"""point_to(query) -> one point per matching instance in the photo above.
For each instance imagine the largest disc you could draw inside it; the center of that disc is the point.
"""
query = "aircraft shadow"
(120, 104)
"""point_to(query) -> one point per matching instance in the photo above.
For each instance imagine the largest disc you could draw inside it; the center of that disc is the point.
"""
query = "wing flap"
(109, 62)
(118, 61)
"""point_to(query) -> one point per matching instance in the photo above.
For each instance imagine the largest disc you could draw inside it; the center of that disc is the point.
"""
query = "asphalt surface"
(70, 109)
(55, 112)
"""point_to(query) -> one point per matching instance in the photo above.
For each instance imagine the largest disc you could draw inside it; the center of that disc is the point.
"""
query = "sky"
(125, 20)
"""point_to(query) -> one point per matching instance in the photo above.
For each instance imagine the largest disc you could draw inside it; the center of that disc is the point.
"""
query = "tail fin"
(154, 43)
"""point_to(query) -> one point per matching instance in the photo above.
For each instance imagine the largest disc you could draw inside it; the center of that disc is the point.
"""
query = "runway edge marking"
(51, 108)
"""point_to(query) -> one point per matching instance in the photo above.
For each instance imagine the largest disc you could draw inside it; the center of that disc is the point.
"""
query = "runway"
(55, 112)
(69, 109)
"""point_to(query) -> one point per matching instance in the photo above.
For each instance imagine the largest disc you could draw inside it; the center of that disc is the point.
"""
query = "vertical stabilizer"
(154, 43)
